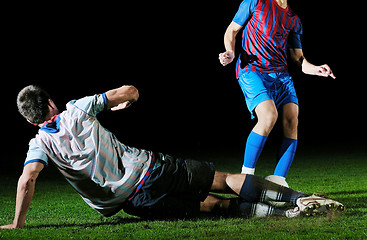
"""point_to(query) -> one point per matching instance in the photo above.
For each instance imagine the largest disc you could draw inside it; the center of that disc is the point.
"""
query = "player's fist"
(226, 57)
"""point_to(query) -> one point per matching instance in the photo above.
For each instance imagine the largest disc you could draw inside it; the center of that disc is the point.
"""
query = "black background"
(169, 51)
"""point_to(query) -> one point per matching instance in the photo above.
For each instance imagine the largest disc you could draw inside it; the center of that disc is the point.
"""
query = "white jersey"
(101, 169)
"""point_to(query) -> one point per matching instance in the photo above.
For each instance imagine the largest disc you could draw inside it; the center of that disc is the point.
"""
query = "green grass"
(57, 212)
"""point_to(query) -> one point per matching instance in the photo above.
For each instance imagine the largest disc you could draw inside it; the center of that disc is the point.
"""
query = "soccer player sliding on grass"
(111, 176)
(270, 27)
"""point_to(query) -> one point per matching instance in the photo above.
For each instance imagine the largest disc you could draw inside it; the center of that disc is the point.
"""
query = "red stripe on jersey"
(266, 35)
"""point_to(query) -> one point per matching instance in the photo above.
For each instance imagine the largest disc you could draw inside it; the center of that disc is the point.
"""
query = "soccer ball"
(278, 180)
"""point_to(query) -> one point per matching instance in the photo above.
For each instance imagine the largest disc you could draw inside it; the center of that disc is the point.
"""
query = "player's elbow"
(26, 182)
(132, 93)
(296, 56)
(124, 93)
(29, 175)
(229, 35)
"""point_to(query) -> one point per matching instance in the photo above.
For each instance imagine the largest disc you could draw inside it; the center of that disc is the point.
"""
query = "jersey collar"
(52, 125)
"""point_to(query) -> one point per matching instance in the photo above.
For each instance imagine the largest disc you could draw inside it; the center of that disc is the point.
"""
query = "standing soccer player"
(270, 27)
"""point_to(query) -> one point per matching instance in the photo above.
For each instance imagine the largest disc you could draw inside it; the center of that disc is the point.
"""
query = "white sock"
(261, 210)
(246, 170)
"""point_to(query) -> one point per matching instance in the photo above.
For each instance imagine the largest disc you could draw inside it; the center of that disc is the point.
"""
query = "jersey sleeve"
(35, 154)
(295, 36)
(91, 105)
(244, 12)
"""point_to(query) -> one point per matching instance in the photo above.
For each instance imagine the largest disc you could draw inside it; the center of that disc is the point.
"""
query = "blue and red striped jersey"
(265, 36)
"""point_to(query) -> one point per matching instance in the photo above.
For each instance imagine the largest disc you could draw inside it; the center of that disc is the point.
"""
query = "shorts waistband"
(153, 165)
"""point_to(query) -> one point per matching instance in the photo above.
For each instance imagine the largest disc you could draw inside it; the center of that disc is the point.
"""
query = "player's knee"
(219, 182)
(235, 182)
(290, 123)
(268, 120)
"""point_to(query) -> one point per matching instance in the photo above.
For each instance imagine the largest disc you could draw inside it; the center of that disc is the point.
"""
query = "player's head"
(35, 104)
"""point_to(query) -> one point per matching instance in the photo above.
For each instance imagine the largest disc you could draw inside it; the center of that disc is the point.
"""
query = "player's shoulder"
(291, 13)
(90, 105)
(252, 3)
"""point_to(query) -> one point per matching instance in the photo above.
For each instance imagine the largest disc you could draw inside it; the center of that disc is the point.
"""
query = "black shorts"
(174, 189)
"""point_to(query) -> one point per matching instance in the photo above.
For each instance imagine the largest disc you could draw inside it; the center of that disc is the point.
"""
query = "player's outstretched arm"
(323, 70)
(229, 43)
(309, 68)
(25, 191)
(121, 98)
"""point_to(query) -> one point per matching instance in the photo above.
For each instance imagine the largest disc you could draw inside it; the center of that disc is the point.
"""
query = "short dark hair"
(33, 104)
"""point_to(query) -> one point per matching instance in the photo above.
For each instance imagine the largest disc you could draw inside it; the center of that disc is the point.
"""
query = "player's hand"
(10, 226)
(226, 57)
(324, 71)
(122, 106)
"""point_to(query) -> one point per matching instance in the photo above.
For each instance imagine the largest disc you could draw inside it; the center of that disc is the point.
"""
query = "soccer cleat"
(315, 205)
(294, 212)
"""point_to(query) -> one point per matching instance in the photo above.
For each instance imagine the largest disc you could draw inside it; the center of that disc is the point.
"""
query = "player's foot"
(315, 205)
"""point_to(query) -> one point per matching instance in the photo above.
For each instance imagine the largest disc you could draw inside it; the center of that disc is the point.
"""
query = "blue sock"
(254, 145)
(286, 155)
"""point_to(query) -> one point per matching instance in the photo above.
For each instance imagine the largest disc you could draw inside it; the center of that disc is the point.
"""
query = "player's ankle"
(246, 170)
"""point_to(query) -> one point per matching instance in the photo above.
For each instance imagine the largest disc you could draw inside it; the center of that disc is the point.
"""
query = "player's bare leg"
(290, 120)
(227, 183)
(255, 193)
(267, 115)
(215, 203)
(250, 188)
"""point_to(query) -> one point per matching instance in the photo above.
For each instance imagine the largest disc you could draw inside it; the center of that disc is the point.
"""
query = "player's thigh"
(255, 89)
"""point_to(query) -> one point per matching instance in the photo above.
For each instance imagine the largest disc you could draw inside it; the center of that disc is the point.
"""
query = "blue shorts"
(259, 87)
